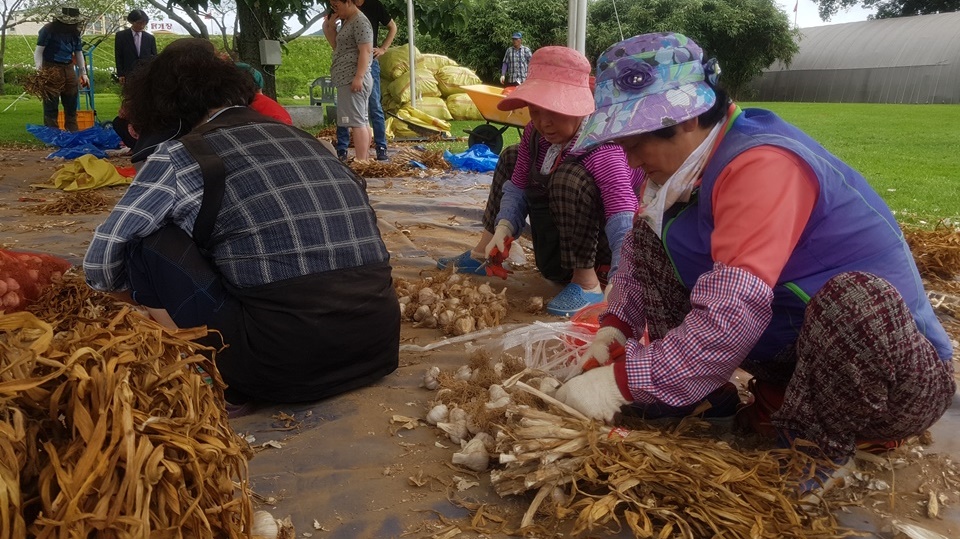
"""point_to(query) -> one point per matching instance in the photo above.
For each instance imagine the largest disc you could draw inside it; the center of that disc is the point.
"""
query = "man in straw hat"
(59, 48)
(759, 250)
(580, 204)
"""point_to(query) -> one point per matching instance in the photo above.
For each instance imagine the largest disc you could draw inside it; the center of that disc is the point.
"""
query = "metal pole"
(412, 56)
(582, 26)
(572, 23)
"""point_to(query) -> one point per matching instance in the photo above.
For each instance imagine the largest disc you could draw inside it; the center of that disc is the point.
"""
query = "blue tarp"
(93, 140)
(478, 158)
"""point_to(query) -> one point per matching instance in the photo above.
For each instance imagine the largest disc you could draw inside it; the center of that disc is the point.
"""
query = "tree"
(745, 36)
(887, 9)
(255, 20)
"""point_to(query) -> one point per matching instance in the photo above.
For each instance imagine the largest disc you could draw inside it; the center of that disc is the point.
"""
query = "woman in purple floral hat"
(757, 249)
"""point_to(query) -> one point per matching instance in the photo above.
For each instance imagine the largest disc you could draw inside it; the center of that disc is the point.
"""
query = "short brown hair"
(181, 85)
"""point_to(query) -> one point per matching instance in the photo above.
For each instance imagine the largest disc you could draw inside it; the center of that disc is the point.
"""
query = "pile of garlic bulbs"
(451, 302)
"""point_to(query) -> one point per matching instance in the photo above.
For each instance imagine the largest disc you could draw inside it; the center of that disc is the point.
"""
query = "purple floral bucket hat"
(646, 83)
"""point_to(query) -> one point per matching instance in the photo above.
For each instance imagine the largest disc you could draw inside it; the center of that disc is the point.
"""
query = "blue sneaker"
(464, 263)
(571, 299)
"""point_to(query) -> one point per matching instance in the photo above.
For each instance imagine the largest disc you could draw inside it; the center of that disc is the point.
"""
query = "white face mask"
(658, 199)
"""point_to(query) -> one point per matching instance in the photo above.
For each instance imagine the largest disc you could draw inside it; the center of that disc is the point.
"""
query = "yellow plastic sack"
(87, 172)
(461, 107)
(396, 129)
(451, 78)
(434, 106)
(433, 62)
(423, 119)
(396, 61)
(426, 87)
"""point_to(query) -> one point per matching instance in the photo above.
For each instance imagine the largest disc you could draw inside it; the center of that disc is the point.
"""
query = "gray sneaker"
(342, 155)
(382, 154)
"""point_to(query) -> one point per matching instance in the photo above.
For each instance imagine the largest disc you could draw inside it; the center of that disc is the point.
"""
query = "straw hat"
(69, 15)
(559, 81)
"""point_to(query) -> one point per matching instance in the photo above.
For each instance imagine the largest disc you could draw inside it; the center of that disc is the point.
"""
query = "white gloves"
(594, 393)
(599, 349)
(504, 229)
(502, 78)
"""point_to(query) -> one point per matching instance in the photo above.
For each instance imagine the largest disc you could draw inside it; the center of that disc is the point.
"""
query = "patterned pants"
(573, 201)
(861, 367)
(68, 96)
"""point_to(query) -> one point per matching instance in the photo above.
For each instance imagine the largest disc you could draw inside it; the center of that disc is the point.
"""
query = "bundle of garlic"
(451, 302)
(667, 483)
(104, 417)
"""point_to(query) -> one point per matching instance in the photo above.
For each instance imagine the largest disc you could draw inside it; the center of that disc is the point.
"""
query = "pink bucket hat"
(559, 81)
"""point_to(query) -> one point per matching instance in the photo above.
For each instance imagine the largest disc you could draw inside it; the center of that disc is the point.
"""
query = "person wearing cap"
(253, 228)
(59, 48)
(133, 46)
(580, 204)
(516, 62)
(756, 249)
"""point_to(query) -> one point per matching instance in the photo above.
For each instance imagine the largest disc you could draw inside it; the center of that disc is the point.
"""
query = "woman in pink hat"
(758, 250)
(580, 204)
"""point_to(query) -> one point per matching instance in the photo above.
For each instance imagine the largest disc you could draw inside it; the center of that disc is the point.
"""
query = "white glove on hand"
(503, 230)
(599, 349)
(594, 393)
(502, 78)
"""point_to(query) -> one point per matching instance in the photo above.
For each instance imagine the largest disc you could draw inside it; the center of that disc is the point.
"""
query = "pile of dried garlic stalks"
(451, 302)
(589, 477)
(108, 429)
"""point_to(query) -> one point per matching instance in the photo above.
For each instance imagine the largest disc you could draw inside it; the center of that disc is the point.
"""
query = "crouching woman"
(254, 229)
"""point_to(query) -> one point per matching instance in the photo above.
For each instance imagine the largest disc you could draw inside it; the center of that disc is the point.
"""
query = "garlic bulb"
(463, 373)
(264, 526)
(474, 455)
(438, 414)
(421, 312)
(426, 296)
(430, 378)
(456, 430)
(549, 385)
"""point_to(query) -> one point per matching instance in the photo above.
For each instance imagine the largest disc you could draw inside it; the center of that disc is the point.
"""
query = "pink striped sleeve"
(617, 182)
(521, 171)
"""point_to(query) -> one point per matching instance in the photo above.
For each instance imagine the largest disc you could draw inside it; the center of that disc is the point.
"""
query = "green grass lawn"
(908, 153)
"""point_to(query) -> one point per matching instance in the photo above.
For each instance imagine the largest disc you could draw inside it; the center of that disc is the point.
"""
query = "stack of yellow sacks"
(439, 93)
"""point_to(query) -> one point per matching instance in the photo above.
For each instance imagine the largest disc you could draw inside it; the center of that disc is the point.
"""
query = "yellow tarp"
(86, 172)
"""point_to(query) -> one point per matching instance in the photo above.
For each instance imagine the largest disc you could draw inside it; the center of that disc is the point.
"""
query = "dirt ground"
(347, 467)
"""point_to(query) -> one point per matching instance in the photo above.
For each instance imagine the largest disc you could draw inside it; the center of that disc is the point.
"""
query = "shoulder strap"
(212, 167)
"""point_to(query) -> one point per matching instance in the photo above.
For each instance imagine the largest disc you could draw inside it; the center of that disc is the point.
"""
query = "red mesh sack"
(23, 276)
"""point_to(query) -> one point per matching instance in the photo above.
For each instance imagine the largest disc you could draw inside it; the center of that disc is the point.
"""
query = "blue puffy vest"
(851, 229)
